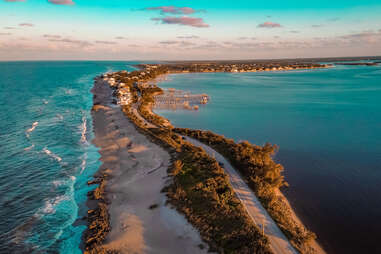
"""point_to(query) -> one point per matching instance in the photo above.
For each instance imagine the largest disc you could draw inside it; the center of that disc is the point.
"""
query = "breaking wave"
(54, 156)
(28, 131)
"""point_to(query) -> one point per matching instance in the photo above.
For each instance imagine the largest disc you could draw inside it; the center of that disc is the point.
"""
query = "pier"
(172, 98)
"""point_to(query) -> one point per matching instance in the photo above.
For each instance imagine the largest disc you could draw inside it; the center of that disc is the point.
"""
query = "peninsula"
(202, 174)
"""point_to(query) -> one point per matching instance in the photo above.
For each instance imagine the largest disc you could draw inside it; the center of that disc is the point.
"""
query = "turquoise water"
(46, 155)
(327, 123)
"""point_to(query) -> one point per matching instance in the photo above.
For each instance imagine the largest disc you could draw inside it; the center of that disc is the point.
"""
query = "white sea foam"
(45, 101)
(29, 148)
(54, 156)
(83, 163)
(83, 129)
(50, 205)
(28, 131)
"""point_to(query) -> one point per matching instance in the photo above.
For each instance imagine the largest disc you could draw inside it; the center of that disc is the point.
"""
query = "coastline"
(147, 119)
(129, 212)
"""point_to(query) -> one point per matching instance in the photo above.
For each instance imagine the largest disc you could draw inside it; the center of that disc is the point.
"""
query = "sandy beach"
(140, 220)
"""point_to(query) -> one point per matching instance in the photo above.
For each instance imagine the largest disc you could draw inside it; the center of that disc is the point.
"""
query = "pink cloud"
(26, 24)
(14, 0)
(61, 2)
(269, 25)
(173, 10)
(51, 36)
(185, 21)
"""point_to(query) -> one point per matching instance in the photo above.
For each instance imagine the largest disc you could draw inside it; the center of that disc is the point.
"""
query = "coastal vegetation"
(200, 190)
(264, 176)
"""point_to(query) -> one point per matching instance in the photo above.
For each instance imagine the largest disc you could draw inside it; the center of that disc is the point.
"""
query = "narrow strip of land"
(136, 168)
(278, 241)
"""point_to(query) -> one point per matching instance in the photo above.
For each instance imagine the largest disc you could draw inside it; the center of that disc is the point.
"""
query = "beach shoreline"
(130, 180)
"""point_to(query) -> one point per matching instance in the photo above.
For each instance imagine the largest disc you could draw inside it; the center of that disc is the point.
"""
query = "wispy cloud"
(316, 26)
(51, 36)
(9, 28)
(188, 37)
(5, 34)
(70, 41)
(185, 21)
(120, 38)
(177, 43)
(269, 24)
(106, 42)
(294, 31)
(14, 1)
(173, 10)
(61, 2)
(26, 24)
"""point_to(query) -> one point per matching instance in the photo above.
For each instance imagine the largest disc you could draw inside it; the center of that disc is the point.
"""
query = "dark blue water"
(46, 156)
(328, 126)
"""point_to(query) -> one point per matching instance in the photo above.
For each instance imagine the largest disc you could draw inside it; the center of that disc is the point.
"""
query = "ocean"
(327, 125)
(46, 155)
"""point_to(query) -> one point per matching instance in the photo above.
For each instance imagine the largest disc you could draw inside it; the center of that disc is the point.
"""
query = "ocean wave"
(54, 156)
(83, 128)
(45, 101)
(59, 117)
(83, 163)
(50, 205)
(28, 131)
(29, 148)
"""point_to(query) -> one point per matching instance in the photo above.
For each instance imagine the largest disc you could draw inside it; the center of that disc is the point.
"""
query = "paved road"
(278, 241)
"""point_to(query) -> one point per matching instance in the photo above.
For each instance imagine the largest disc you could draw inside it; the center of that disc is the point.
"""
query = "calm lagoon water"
(46, 155)
(327, 124)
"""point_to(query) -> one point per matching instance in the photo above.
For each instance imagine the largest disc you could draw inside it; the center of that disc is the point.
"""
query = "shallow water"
(327, 123)
(46, 155)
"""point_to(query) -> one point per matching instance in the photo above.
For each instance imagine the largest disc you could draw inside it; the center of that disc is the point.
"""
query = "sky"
(187, 30)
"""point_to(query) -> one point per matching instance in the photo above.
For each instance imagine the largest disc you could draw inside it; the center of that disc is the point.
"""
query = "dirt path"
(278, 241)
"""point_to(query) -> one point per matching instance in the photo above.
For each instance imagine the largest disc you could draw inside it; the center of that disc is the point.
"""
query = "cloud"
(106, 42)
(269, 25)
(368, 37)
(76, 42)
(61, 2)
(51, 36)
(185, 21)
(168, 42)
(316, 26)
(173, 10)
(26, 24)
(188, 37)
(5, 34)
(177, 43)
(294, 32)
(243, 38)
(12, 1)
(9, 28)
(120, 38)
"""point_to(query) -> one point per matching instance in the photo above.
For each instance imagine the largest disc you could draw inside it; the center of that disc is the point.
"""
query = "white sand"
(139, 172)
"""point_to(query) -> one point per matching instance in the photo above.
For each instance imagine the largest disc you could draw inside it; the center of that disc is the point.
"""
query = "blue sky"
(156, 29)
